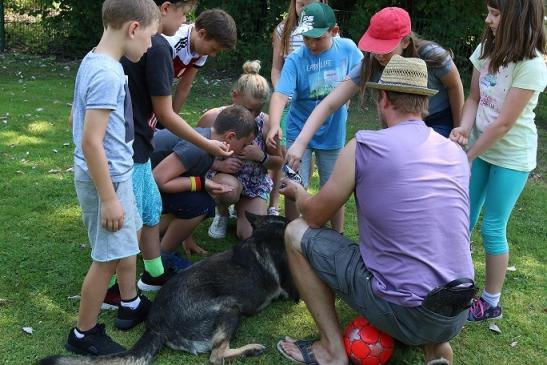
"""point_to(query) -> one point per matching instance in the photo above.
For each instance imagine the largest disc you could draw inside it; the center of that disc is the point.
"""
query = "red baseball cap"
(386, 29)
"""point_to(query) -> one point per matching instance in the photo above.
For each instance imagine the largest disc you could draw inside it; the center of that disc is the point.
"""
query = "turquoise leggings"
(497, 189)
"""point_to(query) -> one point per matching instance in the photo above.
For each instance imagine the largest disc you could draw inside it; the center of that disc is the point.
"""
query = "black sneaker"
(129, 318)
(95, 342)
(149, 283)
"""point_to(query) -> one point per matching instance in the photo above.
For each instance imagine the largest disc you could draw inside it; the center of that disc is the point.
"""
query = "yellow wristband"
(192, 183)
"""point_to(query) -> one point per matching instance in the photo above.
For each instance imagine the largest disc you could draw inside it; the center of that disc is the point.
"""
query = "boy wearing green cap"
(309, 74)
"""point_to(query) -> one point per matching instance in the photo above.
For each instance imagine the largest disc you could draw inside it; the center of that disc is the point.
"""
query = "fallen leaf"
(514, 343)
(27, 330)
(494, 327)
(511, 268)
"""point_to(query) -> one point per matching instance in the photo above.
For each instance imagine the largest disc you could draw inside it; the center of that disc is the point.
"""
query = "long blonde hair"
(250, 83)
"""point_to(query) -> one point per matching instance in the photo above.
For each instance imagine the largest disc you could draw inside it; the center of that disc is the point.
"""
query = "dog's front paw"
(255, 349)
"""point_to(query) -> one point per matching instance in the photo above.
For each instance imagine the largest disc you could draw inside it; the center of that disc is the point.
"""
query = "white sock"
(492, 299)
(78, 334)
(132, 304)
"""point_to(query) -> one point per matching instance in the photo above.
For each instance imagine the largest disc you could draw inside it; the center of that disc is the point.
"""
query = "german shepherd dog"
(200, 308)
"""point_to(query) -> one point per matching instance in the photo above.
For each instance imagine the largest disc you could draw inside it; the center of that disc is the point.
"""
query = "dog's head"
(269, 234)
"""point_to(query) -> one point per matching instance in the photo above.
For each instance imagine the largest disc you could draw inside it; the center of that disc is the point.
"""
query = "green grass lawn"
(44, 253)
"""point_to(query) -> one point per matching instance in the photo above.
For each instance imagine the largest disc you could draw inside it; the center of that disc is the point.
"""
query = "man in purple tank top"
(411, 190)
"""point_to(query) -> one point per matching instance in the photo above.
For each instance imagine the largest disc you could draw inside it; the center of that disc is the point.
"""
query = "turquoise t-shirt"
(309, 79)
(518, 148)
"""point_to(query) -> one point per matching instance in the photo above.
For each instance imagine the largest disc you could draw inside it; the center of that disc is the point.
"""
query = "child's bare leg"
(253, 205)
(178, 231)
(274, 195)
(93, 291)
(149, 243)
(126, 272)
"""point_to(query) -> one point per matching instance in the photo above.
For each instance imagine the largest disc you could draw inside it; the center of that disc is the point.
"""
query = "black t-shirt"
(196, 160)
(151, 76)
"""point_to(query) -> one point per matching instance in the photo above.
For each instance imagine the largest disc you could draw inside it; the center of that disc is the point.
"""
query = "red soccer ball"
(366, 345)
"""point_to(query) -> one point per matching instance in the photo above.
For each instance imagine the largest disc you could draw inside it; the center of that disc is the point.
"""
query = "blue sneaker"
(174, 261)
(481, 310)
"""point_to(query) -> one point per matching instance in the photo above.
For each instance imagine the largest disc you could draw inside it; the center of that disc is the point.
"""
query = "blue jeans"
(325, 160)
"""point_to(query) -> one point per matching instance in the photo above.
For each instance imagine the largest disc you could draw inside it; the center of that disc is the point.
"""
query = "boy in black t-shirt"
(150, 87)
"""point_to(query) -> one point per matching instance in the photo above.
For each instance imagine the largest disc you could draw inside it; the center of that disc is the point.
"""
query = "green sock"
(154, 267)
(112, 281)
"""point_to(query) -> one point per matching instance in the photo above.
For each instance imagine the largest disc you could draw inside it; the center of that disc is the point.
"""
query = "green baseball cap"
(316, 19)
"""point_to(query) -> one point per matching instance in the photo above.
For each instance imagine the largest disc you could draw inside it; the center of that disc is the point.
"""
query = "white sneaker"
(273, 211)
(232, 212)
(218, 227)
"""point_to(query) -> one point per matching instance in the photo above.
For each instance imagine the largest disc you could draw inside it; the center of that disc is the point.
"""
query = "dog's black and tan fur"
(199, 309)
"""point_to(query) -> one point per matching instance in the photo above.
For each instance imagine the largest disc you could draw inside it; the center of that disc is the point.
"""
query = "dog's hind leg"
(221, 350)
(224, 353)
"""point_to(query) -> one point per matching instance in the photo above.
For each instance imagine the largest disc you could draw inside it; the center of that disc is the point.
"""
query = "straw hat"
(405, 75)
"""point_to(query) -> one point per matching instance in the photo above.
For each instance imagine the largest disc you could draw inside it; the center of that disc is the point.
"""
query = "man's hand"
(459, 135)
(218, 148)
(214, 188)
(230, 165)
(290, 189)
(274, 136)
(252, 153)
(112, 215)
(294, 155)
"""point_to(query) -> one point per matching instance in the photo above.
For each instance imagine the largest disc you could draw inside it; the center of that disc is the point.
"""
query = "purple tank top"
(413, 210)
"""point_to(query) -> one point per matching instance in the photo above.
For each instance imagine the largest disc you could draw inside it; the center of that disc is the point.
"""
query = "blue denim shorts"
(105, 245)
(147, 194)
(338, 263)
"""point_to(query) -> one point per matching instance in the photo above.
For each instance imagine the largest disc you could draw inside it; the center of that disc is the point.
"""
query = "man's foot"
(310, 352)
(273, 211)
(438, 353)
(95, 342)
(218, 227)
(481, 310)
(128, 318)
(148, 282)
(112, 299)
(174, 261)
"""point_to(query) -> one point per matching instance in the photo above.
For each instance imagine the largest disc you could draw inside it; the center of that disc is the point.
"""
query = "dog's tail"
(142, 353)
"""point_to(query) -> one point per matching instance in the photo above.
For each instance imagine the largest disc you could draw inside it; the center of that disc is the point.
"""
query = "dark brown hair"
(434, 56)
(220, 26)
(238, 119)
(115, 13)
(520, 33)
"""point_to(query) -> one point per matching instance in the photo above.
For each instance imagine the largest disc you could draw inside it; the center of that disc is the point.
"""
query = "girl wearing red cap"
(390, 33)
(498, 119)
